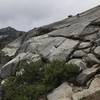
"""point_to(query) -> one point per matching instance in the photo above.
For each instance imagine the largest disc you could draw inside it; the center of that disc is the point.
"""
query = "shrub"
(38, 79)
(57, 72)
(69, 16)
(44, 30)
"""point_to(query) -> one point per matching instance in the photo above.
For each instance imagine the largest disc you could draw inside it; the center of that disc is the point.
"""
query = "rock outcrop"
(66, 92)
(74, 40)
(8, 35)
(63, 92)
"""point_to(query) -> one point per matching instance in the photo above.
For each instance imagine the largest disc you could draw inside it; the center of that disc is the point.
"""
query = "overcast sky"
(27, 14)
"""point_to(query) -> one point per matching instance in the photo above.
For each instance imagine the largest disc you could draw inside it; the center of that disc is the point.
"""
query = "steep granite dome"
(74, 40)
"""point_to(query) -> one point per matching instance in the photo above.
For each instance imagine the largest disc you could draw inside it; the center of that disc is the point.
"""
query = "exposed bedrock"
(74, 40)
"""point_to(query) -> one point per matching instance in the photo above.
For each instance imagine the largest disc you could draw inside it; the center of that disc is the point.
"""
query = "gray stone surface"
(79, 54)
(10, 67)
(63, 92)
(91, 58)
(79, 63)
(97, 50)
(86, 74)
(93, 88)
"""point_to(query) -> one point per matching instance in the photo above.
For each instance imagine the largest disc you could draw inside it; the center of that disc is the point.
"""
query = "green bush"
(57, 72)
(38, 79)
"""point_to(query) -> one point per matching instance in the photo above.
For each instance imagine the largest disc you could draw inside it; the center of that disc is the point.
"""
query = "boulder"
(78, 54)
(79, 63)
(92, 36)
(95, 82)
(91, 59)
(97, 51)
(94, 87)
(63, 92)
(85, 93)
(86, 75)
(84, 45)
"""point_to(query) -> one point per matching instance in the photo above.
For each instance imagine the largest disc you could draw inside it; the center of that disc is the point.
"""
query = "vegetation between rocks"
(35, 80)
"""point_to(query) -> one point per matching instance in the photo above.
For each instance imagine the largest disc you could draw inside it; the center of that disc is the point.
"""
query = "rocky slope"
(8, 35)
(74, 40)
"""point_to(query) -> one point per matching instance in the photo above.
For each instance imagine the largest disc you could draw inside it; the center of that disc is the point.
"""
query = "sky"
(27, 14)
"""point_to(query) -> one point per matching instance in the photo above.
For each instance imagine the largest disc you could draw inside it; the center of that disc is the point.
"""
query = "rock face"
(93, 88)
(9, 37)
(8, 34)
(79, 63)
(97, 51)
(86, 75)
(63, 92)
(75, 40)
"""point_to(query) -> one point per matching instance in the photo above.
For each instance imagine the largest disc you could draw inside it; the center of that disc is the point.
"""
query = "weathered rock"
(91, 59)
(43, 45)
(64, 51)
(11, 49)
(94, 87)
(50, 47)
(86, 75)
(97, 51)
(84, 45)
(63, 92)
(79, 54)
(10, 67)
(4, 58)
(93, 35)
(79, 63)
(98, 42)
(8, 35)
(95, 83)
(73, 30)
(84, 93)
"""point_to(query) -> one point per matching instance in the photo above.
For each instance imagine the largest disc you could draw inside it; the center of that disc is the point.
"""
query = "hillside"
(74, 40)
